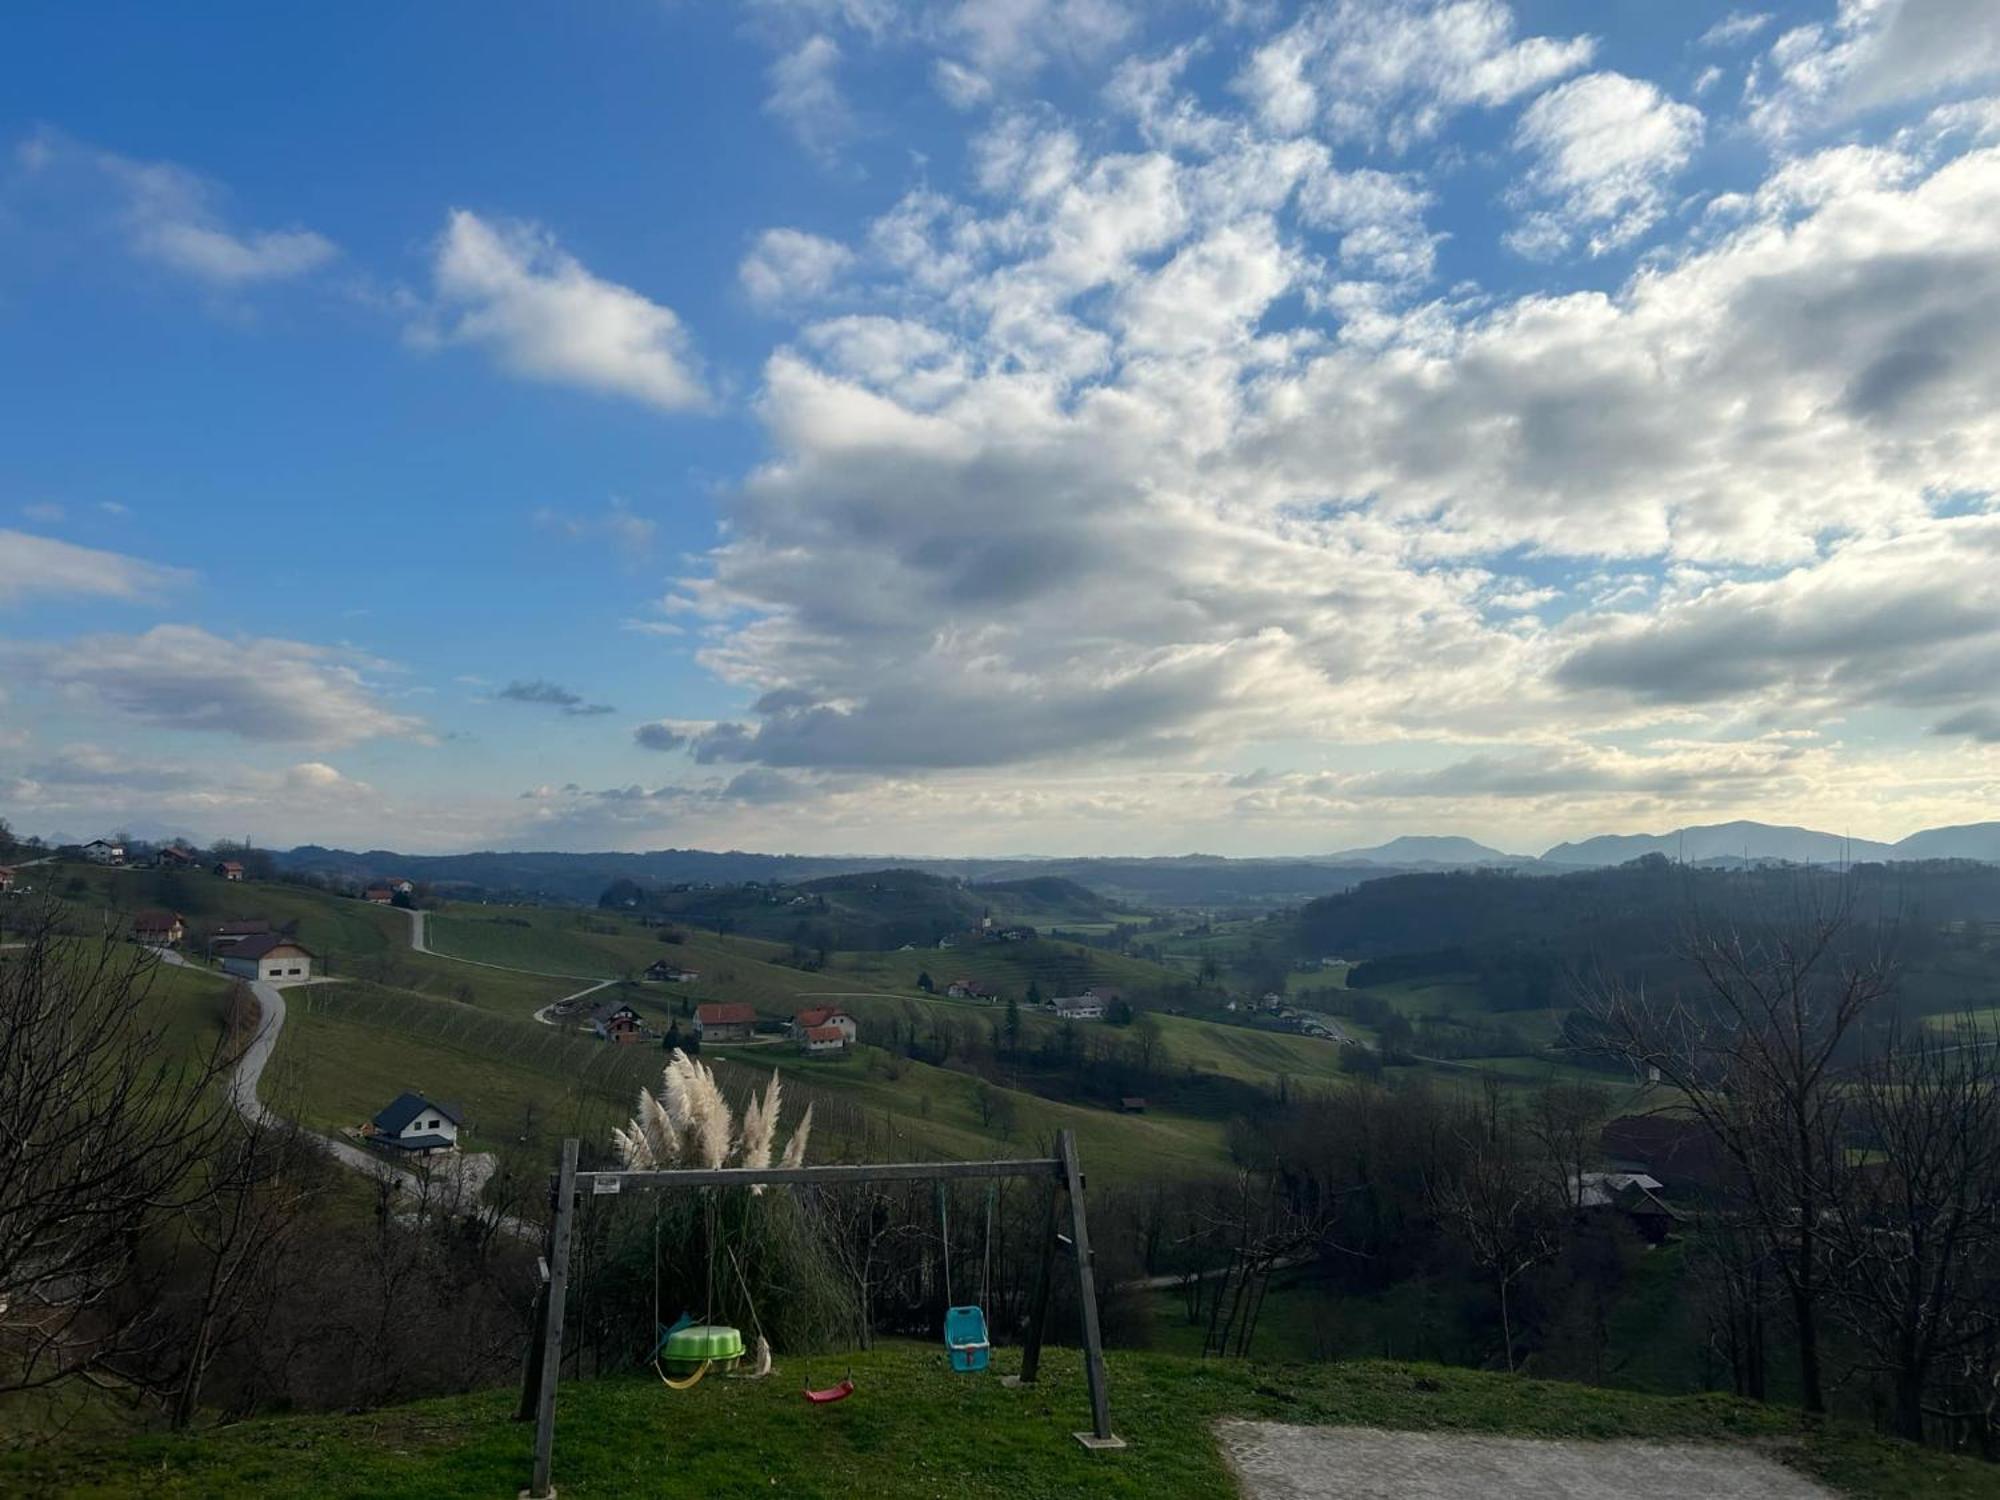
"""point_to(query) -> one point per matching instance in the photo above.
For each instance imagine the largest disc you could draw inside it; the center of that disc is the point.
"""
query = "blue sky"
(1047, 425)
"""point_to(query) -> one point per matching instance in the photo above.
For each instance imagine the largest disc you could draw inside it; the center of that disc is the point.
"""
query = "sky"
(1028, 426)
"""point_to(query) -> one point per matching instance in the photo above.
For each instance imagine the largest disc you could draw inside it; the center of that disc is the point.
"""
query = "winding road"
(474, 1169)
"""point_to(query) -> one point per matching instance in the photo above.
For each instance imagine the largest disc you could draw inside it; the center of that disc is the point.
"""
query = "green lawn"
(914, 1430)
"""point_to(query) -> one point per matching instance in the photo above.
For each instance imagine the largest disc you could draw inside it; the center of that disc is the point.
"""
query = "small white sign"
(605, 1185)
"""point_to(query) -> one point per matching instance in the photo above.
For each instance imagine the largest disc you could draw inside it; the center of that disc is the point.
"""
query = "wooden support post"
(1038, 1308)
(545, 1413)
(1100, 1434)
(531, 1368)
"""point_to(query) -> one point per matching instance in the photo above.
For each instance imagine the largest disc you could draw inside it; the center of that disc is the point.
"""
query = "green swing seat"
(965, 1336)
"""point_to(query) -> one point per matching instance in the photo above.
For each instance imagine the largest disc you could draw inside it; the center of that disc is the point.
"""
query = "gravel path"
(1279, 1462)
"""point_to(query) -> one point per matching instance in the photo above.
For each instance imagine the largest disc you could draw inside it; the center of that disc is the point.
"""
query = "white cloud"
(1605, 147)
(175, 217)
(1874, 53)
(40, 566)
(1737, 26)
(1396, 70)
(513, 291)
(789, 266)
(182, 677)
(805, 94)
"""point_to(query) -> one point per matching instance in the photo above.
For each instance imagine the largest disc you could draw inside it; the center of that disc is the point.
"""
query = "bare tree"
(1756, 1055)
(1916, 1232)
(1562, 1121)
(1501, 1206)
(106, 1115)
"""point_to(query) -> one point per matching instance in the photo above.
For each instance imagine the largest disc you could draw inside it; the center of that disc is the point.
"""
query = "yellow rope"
(687, 1384)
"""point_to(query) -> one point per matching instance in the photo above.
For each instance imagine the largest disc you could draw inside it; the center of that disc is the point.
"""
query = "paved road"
(1275, 1461)
(419, 942)
(474, 1170)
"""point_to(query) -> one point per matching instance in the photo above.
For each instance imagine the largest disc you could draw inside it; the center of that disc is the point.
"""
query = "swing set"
(701, 1346)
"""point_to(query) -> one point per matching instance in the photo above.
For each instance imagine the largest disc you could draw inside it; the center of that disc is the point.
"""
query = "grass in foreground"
(916, 1430)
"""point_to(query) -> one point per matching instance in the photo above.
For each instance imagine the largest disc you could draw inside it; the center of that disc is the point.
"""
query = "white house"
(416, 1124)
(101, 852)
(272, 958)
(806, 1022)
(1078, 1007)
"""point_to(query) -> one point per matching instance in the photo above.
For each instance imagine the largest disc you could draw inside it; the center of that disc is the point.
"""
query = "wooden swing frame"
(1063, 1172)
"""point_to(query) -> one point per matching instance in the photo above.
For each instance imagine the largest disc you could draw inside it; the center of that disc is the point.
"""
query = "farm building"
(229, 869)
(818, 1041)
(724, 1023)
(416, 1124)
(271, 958)
(175, 857)
(228, 934)
(660, 970)
(1131, 1104)
(1078, 1007)
(615, 1021)
(158, 929)
(808, 1021)
(102, 852)
(378, 895)
(970, 989)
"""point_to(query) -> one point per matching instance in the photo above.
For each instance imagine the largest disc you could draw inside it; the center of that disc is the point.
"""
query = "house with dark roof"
(724, 1023)
(271, 958)
(660, 970)
(416, 1124)
(176, 857)
(228, 934)
(615, 1021)
(158, 929)
(104, 852)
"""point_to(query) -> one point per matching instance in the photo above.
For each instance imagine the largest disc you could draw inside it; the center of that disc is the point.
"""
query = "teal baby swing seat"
(965, 1337)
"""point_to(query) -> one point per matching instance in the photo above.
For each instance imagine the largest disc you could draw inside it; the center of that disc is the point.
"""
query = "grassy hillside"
(913, 1430)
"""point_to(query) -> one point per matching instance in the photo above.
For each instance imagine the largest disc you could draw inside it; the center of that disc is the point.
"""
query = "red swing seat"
(832, 1393)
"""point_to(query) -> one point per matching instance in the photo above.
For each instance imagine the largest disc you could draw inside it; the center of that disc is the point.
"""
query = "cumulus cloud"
(789, 265)
(805, 94)
(552, 695)
(175, 217)
(1605, 148)
(1737, 26)
(44, 567)
(1396, 70)
(1080, 498)
(1909, 621)
(1872, 54)
(511, 290)
(182, 677)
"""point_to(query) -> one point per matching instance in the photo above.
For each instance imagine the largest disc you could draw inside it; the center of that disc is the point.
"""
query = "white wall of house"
(430, 1122)
(279, 967)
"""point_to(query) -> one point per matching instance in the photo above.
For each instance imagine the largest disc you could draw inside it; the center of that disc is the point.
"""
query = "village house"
(1131, 1104)
(1078, 1007)
(378, 895)
(668, 973)
(417, 1125)
(270, 958)
(176, 857)
(6, 879)
(818, 1041)
(820, 1017)
(724, 1023)
(615, 1021)
(970, 989)
(158, 929)
(401, 887)
(229, 869)
(228, 934)
(1635, 1195)
(102, 852)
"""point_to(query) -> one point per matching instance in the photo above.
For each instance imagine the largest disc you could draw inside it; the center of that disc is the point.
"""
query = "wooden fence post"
(1100, 1434)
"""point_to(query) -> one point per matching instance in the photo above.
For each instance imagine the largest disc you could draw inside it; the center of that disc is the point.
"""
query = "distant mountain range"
(1763, 841)
(1428, 849)
(1183, 881)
